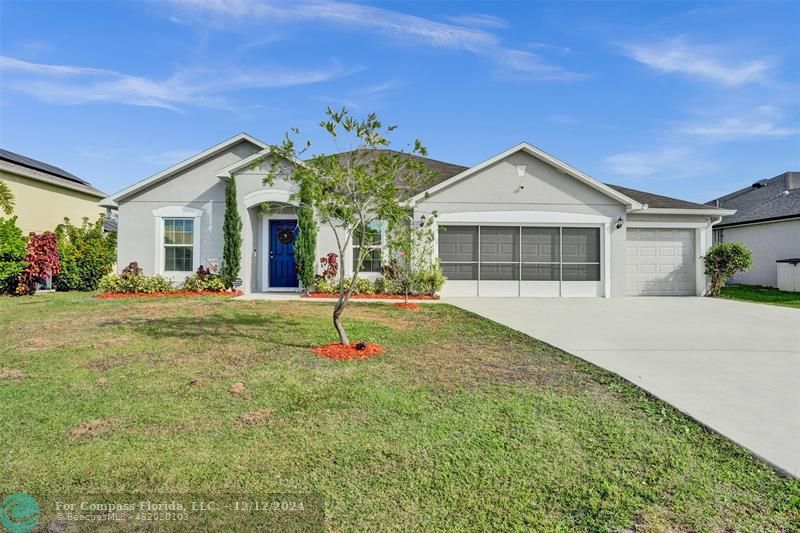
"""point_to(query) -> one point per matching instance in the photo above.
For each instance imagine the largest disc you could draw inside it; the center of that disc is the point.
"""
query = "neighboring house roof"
(111, 201)
(768, 199)
(110, 224)
(542, 156)
(37, 170)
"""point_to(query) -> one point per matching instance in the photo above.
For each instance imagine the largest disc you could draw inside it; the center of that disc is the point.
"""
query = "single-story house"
(521, 223)
(44, 194)
(767, 221)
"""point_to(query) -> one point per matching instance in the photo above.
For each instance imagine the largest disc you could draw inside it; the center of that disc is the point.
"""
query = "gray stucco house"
(767, 220)
(521, 223)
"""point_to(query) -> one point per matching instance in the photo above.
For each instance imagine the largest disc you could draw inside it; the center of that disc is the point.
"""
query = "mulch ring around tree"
(355, 350)
(408, 305)
(120, 295)
(334, 295)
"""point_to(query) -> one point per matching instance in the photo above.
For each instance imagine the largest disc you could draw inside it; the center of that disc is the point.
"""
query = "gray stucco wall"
(497, 188)
(197, 187)
(768, 242)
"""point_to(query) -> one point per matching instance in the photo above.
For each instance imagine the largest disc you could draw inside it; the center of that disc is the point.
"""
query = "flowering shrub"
(12, 254)
(362, 286)
(42, 262)
(205, 279)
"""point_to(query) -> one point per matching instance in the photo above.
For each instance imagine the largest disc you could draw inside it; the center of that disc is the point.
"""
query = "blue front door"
(282, 269)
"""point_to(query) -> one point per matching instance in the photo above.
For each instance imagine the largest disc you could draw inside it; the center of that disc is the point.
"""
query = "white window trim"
(175, 211)
(382, 246)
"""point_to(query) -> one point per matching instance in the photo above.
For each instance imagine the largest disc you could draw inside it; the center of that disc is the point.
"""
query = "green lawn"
(765, 295)
(461, 424)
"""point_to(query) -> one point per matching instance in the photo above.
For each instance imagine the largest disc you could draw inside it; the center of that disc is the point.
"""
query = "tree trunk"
(337, 323)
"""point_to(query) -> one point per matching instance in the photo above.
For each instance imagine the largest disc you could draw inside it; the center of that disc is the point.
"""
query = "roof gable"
(171, 171)
(542, 156)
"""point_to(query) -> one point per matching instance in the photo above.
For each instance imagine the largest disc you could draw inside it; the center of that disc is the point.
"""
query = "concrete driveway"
(733, 366)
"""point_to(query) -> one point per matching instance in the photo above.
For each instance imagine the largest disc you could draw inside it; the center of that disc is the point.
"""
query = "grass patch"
(764, 295)
(460, 424)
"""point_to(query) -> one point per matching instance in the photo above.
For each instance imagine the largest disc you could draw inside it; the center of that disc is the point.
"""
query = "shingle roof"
(443, 171)
(54, 174)
(767, 199)
(656, 200)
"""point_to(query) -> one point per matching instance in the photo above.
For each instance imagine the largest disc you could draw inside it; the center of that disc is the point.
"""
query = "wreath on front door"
(285, 236)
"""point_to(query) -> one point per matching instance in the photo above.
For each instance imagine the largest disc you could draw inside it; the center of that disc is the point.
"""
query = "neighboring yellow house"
(44, 194)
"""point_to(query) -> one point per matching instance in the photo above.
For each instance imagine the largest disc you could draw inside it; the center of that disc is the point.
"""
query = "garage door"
(659, 262)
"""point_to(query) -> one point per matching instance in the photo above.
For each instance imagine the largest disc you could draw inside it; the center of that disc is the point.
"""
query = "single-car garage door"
(659, 262)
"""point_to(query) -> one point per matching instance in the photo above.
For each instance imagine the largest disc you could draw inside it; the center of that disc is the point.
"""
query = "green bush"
(362, 286)
(13, 248)
(133, 284)
(431, 280)
(723, 261)
(86, 253)
(323, 285)
(204, 280)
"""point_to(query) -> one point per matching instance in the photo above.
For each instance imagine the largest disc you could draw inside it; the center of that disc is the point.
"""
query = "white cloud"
(479, 20)
(391, 23)
(677, 55)
(668, 163)
(764, 121)
(68, 84)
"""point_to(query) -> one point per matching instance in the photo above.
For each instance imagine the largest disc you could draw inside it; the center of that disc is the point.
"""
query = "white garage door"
(659, 262)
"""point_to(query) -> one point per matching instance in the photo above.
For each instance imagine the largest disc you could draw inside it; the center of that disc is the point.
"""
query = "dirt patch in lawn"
(91, 429)
(11, 373)
(256, 418)
(102, 383)
(239, 389)
(408, 305)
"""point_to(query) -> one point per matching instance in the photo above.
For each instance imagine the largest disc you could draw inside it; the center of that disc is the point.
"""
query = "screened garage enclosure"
(515, 260)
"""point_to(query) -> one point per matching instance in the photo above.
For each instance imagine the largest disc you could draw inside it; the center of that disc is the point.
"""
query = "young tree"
(411, 253)
(350, 190)
(723, 261)
(305, 246)
(232, 235)
(6, 198)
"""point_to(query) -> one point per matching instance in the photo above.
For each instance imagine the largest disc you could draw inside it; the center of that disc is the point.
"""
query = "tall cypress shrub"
(232, 232)
(305, 246)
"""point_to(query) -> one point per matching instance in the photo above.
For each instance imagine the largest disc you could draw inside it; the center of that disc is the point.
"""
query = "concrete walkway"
(734, 366)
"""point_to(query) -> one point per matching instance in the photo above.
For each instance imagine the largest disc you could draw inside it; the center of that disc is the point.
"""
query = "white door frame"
(263, 264)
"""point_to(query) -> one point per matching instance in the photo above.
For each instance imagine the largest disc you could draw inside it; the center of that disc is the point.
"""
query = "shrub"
(12, 254)
(132, 269)
(232, 232)
(133, 284)
(41, 262)
(362, 286)
(323, 285)
(305, 245)
(380, 286)
(86, 252)
(204, 280)
(330, 266)
(431, 280)
(723, 261)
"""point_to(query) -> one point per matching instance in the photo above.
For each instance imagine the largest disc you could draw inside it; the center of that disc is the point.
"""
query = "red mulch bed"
(410, 306)
(340, 352)
(118, 296)
(370, 296)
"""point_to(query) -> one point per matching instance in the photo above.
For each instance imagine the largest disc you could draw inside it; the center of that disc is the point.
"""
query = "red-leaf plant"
(330, 266)
(42, 262)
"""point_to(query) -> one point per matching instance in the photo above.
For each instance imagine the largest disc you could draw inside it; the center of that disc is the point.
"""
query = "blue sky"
(689, 100)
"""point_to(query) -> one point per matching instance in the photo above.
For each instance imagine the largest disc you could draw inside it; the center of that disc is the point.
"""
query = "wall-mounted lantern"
(620, 222)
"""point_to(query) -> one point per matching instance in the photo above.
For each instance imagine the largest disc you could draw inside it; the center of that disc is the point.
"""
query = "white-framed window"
(373, 243)
(177, 240)
(178, 244)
